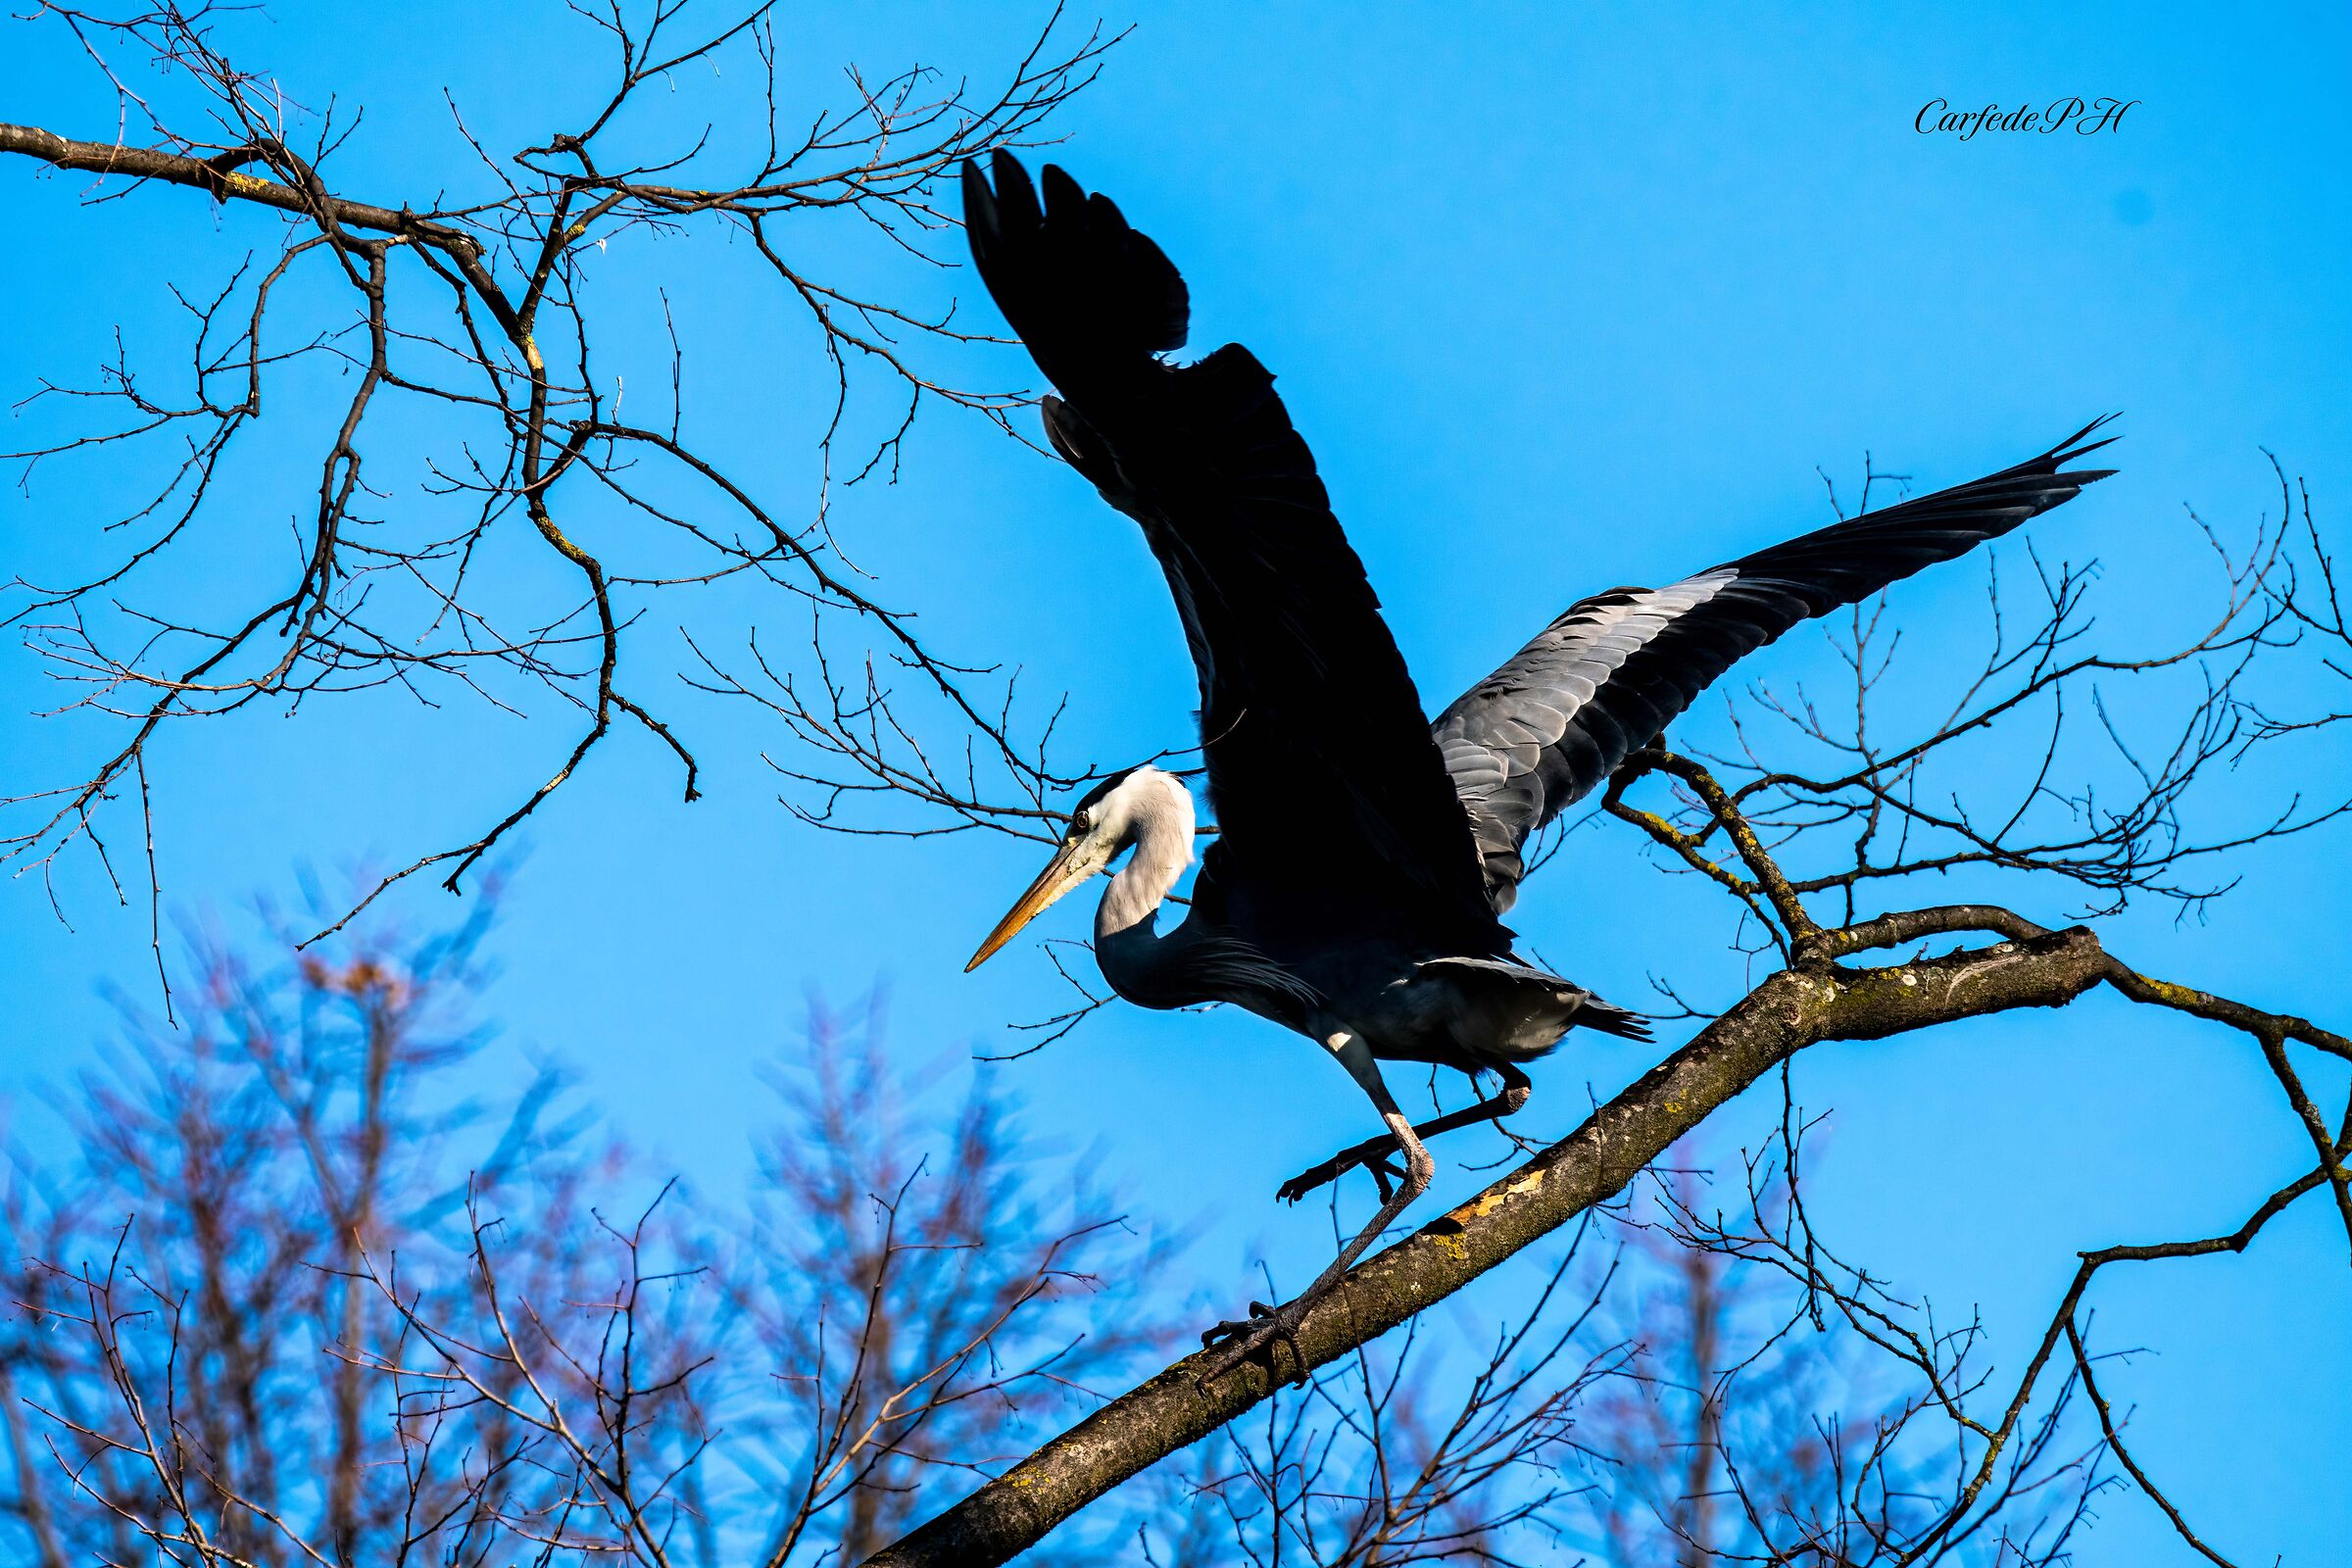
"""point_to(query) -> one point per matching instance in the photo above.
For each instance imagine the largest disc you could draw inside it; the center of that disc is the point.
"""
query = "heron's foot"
(1253, 1339)
(1376, 1154)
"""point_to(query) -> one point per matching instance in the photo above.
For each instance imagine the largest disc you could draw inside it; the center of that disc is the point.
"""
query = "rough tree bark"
(1816, 1001)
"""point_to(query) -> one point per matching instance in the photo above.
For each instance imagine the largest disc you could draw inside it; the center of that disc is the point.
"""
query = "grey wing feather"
(1604, 679)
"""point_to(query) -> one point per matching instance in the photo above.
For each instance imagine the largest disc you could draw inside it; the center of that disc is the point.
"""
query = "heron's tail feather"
(1603, 1018)
(1509, 1012)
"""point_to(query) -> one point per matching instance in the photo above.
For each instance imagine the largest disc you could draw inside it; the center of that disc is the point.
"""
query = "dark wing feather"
(1604, 679)
(1334, 812)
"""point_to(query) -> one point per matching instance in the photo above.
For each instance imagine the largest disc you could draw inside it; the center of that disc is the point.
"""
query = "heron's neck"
(1163, 848)
(1199, 961)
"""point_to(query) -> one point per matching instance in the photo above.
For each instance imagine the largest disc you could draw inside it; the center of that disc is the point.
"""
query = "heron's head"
(1106, 820)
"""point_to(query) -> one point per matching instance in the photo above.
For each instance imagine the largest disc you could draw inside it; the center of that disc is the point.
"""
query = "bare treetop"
(489, 510)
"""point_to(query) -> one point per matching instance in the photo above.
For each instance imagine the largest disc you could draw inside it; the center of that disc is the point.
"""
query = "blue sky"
(1578, 296)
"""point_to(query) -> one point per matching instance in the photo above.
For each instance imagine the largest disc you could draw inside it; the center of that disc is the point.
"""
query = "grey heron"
(1364, 857)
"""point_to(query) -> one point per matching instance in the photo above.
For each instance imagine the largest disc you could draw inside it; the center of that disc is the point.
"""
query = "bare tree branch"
(493, 310)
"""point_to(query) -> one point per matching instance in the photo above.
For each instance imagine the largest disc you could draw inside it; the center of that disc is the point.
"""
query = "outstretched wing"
(1334, 808)
(1604, 679)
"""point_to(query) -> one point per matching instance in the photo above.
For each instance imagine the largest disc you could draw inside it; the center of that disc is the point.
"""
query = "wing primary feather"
(1613, 671)
(1309, 720)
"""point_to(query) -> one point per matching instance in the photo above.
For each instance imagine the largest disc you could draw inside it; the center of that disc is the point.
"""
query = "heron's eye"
(1083, 822)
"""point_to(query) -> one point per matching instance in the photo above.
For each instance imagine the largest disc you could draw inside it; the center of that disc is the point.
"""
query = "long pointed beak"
(1063, 873)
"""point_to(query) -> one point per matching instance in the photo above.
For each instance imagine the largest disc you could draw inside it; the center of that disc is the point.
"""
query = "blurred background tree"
(312, 1294)
(309, 1293)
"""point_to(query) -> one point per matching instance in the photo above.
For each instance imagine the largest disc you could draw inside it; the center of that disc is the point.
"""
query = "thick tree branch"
(212, 174)
(1788, 1011)
(219, 177)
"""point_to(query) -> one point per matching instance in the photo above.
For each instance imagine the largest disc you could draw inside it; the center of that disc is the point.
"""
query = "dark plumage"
(1304, 696)
(1364, 857)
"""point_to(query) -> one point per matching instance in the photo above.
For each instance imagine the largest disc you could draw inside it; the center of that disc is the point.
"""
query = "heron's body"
(1364, 857)
(1409, 1001)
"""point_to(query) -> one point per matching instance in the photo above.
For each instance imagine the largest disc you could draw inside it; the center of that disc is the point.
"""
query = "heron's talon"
(1246, 1339)
(1306, 1181)
(1376, 1154)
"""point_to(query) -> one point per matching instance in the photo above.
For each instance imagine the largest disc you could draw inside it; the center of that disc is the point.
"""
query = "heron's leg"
(1373, 1153)
(1267, 1324)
